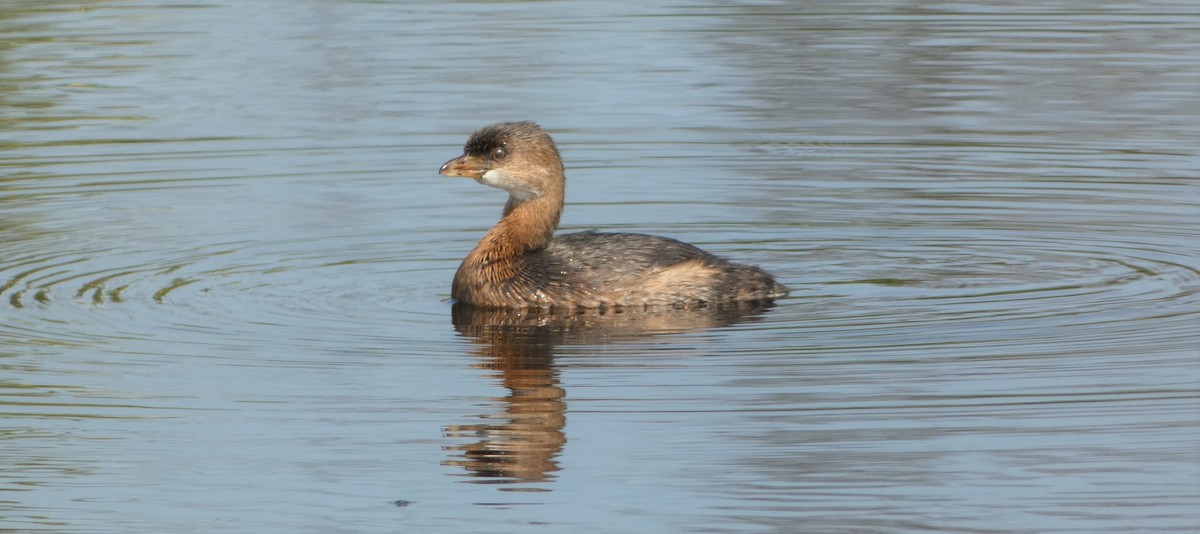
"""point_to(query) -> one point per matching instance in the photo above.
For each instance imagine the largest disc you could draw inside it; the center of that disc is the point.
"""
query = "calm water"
(226, 257)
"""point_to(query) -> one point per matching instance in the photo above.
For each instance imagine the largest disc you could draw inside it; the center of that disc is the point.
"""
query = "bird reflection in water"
(521, 442)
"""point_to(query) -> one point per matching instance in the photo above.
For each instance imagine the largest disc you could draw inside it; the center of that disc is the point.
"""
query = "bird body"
(519, 263)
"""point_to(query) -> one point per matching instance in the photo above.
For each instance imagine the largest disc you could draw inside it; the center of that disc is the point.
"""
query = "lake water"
(226, 254)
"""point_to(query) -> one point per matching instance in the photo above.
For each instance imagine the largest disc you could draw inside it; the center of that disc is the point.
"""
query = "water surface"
(226, 256)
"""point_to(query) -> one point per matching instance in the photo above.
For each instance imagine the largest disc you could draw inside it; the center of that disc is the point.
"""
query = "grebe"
(520, 264)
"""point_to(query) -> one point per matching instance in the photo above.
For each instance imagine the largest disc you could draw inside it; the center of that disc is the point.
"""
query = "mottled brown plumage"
(520, 264)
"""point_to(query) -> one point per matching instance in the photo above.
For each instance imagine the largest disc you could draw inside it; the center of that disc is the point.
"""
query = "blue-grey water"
(225, 258)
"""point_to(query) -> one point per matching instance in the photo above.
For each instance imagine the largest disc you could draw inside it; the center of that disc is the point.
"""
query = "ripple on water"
(218, 286)
(119, 238)
(987, 218)
(991, 242)
(1008, 288)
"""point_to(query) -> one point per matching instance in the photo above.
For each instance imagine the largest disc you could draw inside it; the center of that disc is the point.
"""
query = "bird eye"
(499, 153)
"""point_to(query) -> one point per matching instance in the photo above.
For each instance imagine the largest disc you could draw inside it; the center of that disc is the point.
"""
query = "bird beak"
(464, 166)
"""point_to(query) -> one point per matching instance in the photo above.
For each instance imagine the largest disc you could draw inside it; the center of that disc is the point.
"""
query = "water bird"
(520, 263)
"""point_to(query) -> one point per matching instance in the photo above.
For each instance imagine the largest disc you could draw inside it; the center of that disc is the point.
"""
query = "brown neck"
(486, 276)
(526, 226)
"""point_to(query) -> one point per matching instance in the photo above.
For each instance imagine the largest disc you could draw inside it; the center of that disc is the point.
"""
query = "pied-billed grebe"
(520, 264)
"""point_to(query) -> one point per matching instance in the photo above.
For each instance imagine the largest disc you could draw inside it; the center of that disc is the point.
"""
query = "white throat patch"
(503, 180)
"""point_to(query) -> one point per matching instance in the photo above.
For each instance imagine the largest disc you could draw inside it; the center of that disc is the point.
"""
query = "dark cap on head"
(502, 134)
